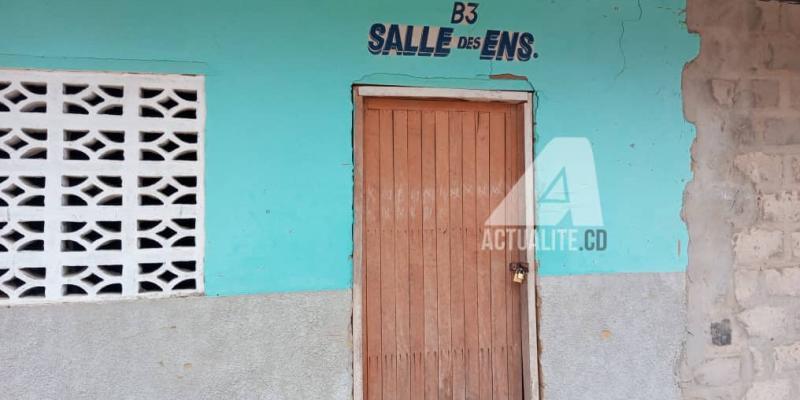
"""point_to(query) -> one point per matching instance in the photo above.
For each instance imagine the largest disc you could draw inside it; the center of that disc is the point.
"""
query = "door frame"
(528, 295)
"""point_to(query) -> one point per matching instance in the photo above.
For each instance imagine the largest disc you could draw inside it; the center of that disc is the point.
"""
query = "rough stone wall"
(743, 206)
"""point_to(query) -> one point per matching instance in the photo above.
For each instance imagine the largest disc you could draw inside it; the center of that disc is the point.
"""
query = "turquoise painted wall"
(279, 188)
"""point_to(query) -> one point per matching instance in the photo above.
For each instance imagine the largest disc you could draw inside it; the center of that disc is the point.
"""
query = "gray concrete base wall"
(284, 346)
(612, 337)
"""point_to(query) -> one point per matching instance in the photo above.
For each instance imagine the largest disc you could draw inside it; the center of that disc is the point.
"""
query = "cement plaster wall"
(611, 337)
(280, 346)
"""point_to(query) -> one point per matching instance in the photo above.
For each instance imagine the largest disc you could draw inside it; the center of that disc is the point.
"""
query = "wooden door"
(441, 313)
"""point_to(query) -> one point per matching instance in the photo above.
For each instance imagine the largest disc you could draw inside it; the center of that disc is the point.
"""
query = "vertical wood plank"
(499, 270)
(472, 354)
(416, 284)
(443, 254)
(521, 251)
(372, 235)
(522, 317)
(513, 336)
(519, 205)
(401, 255)
(457, 255)
(429, 255)
(388, 306)
(483, 207)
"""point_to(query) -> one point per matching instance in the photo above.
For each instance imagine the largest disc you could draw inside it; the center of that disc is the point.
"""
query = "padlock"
(519, 276)
(520, 269)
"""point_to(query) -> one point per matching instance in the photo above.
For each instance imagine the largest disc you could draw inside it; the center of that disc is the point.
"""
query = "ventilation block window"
(101, 186)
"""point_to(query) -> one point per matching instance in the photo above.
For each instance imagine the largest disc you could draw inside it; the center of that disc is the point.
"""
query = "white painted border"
(358, 208)
(452, 94)
(529, 315)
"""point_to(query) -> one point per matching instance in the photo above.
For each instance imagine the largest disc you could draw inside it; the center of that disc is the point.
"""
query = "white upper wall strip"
(460, 94)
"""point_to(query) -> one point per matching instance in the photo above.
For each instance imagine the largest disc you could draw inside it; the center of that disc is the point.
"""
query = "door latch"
(520, 270)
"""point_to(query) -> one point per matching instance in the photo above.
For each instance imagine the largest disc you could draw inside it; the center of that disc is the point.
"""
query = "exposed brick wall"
(743, 205)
